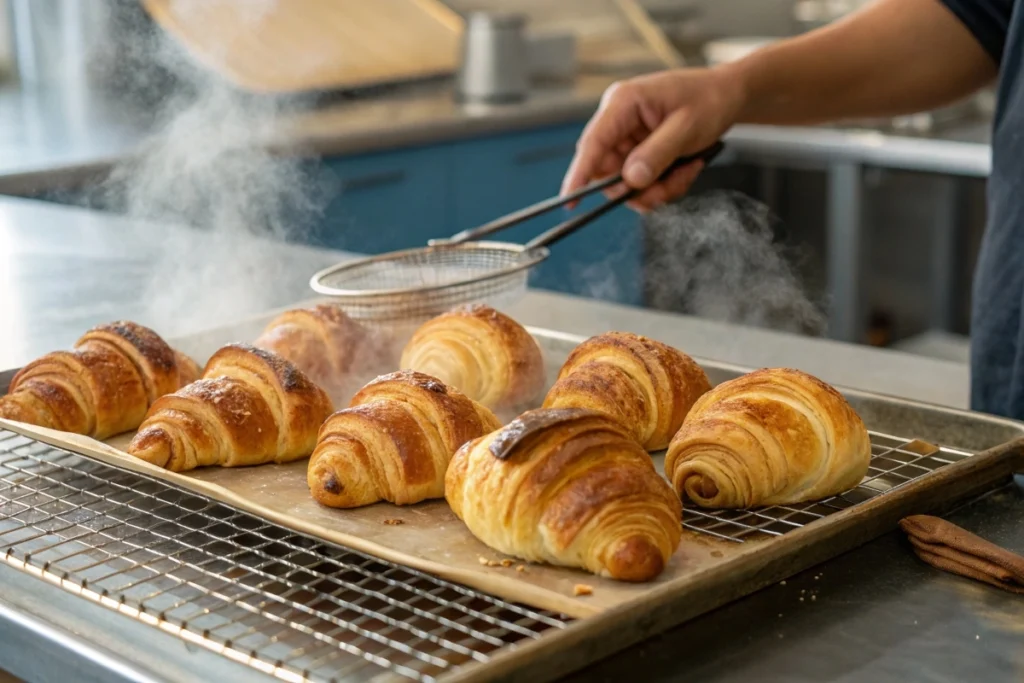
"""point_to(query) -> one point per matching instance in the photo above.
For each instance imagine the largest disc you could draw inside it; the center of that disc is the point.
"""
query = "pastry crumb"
(582, 589)
(521, 568)
(493, 563)
(393, 522)
(482, 560)
(507, 562)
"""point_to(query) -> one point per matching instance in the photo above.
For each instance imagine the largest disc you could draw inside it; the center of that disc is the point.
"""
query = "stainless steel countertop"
(50, 135)
(879, 615)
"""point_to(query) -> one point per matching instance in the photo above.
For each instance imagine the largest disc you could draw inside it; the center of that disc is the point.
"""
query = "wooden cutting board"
(269, 46)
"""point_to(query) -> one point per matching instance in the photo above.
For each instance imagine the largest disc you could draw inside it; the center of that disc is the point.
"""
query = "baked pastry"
(101, 388)
(645, 385)
(569, 487)
(768, 438)
(250, 408)
(322, 342)
(394, 442)
(484, 353)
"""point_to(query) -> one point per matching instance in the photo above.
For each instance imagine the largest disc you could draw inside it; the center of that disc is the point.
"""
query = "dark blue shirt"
(997, 330)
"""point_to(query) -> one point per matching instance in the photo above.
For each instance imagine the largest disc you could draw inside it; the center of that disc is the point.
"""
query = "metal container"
(495, 64)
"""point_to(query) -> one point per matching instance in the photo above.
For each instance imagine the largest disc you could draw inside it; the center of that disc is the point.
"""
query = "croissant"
(250, 408)
(394, 442)
(101, 388)
(771, 437)
(483, 353)
(645, 385)
(569, 487)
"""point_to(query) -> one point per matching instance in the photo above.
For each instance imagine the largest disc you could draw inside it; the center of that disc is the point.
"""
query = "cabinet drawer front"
(499, 175)
(382, 202)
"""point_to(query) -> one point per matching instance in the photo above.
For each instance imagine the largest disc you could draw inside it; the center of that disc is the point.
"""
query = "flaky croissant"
(250, 408)
(569, 487)
(645, 385)
(394, 442)
(101, 388)
(768, 438)
(484, 353)
(322, 341)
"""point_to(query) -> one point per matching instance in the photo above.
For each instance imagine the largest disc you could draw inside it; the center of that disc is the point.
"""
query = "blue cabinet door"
(497, 175)
(392, 200)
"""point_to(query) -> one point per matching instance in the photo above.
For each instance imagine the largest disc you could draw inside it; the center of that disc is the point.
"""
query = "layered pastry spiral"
(569, 487)
(645, 385)
(394, 441)
(102, 387)
(483, 353)
(771, 437)
(251, 407)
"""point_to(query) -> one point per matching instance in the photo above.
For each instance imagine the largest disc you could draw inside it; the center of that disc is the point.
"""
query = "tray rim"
(588, 639)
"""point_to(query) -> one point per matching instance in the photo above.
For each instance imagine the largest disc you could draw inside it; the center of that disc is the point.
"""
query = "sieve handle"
(563, 230)
(539, 208)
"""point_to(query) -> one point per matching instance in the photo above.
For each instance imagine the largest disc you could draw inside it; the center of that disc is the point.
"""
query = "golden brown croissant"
(570, 487)
(645, 385)
(323, 342)
(485, 354)
(771, 437)
(101, 388)
(394, 442)
(250, 408)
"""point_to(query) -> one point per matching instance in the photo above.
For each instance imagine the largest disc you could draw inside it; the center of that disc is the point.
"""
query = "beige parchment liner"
(430, 537)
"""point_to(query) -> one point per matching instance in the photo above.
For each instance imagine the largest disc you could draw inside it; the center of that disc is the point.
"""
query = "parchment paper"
(429, 538)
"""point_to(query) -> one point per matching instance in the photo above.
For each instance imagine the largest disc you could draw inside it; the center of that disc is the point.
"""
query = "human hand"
(646, 123)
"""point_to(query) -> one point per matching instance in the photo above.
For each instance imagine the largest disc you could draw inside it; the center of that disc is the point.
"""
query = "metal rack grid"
(894, 462)
(287, 604)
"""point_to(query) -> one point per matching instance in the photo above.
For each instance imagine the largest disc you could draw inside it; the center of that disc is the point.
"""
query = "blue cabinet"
(387, 201)
(395, 200)
(497, 175)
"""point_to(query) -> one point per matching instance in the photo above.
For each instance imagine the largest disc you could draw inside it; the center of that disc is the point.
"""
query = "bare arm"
(893, 57)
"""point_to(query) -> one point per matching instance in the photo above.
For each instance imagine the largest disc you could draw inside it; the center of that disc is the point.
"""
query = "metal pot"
(495, 59)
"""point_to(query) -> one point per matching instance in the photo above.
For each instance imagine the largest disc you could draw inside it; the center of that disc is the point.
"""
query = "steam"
(717, 258)
(208, 167)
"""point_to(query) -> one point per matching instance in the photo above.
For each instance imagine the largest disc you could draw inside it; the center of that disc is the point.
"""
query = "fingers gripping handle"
(570, 226)
(573, 224)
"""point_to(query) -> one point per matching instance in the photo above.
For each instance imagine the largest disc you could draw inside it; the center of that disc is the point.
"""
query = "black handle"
(539, 208)
(563, 230)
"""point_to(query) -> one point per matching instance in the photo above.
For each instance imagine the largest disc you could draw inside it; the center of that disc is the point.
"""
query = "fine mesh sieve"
(416, 284)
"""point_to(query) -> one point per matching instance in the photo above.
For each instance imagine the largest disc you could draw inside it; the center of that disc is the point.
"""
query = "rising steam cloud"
(207, 166)
(717, 258)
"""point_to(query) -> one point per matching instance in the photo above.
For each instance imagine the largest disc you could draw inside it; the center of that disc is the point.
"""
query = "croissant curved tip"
(635, 558)
(153, 445)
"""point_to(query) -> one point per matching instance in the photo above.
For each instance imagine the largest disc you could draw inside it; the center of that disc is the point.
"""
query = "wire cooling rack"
(894, 461)
(287, 604)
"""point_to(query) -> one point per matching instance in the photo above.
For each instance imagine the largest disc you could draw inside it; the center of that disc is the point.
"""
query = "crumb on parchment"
(507, 562)
(521, 568)
(582, 589)
(393, 522)
(482, 560)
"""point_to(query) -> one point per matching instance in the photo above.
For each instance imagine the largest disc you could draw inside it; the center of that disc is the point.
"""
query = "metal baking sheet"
(925, 457)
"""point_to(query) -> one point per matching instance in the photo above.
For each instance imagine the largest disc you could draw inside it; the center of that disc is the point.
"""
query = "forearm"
(893, 57)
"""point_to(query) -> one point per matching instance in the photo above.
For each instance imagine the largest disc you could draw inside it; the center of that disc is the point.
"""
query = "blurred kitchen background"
(886, 216)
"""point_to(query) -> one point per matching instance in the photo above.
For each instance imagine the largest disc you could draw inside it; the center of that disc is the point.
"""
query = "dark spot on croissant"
(291, 377)
(436, 387)
(514, 432)
(332, 485)
(149, 344)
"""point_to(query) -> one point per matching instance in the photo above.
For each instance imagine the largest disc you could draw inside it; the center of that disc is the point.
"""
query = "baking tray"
(495, 638)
